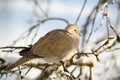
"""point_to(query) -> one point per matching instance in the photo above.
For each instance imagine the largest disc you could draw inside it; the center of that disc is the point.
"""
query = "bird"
(56, 45)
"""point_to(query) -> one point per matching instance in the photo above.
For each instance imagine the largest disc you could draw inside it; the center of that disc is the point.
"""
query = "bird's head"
(73, 29)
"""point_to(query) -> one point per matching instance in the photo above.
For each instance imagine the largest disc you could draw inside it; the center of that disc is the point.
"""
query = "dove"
(56, 45)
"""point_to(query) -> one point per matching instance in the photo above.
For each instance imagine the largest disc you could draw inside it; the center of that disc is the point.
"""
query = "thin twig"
(81, 11)
(48, 7)
(54, 18)
(91, 73)
(115, 49)
(93, 23)
(101, 23)
(11, 47)
(28, 32)
(107, 18)
(107, 29)
(28, 70)
(107, 44)
(74, 69)
(36, 3)
(21, 37)
(20, 73)
(37, 29)
(80, 70)
(87, 22)
(111, 26)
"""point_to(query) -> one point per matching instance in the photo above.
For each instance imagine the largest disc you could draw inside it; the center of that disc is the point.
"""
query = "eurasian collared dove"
(56, 45)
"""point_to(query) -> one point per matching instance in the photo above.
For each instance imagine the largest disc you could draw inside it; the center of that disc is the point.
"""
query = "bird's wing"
(54, 44)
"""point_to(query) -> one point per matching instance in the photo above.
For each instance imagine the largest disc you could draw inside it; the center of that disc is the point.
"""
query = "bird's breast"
(69, 55)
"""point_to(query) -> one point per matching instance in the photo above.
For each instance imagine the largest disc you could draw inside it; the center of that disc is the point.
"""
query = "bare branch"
(54, 18)
(27, 32)
(106, 45)
(81, 12)
(38, 5)
(101, 23)
(87, 22)
(93, 23)
(11, 47)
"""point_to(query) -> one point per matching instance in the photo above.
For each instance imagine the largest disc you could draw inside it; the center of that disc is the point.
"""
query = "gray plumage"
(56, 45)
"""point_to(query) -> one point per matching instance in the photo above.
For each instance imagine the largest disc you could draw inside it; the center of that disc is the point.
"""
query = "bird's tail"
(17, 63)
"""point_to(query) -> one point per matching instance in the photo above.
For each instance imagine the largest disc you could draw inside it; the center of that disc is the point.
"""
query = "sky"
(16, 16)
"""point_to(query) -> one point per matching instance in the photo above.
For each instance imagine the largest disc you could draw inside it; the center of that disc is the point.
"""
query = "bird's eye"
(74, 29)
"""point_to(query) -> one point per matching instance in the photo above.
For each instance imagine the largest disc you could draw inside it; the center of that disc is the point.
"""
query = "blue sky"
(19, 15)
